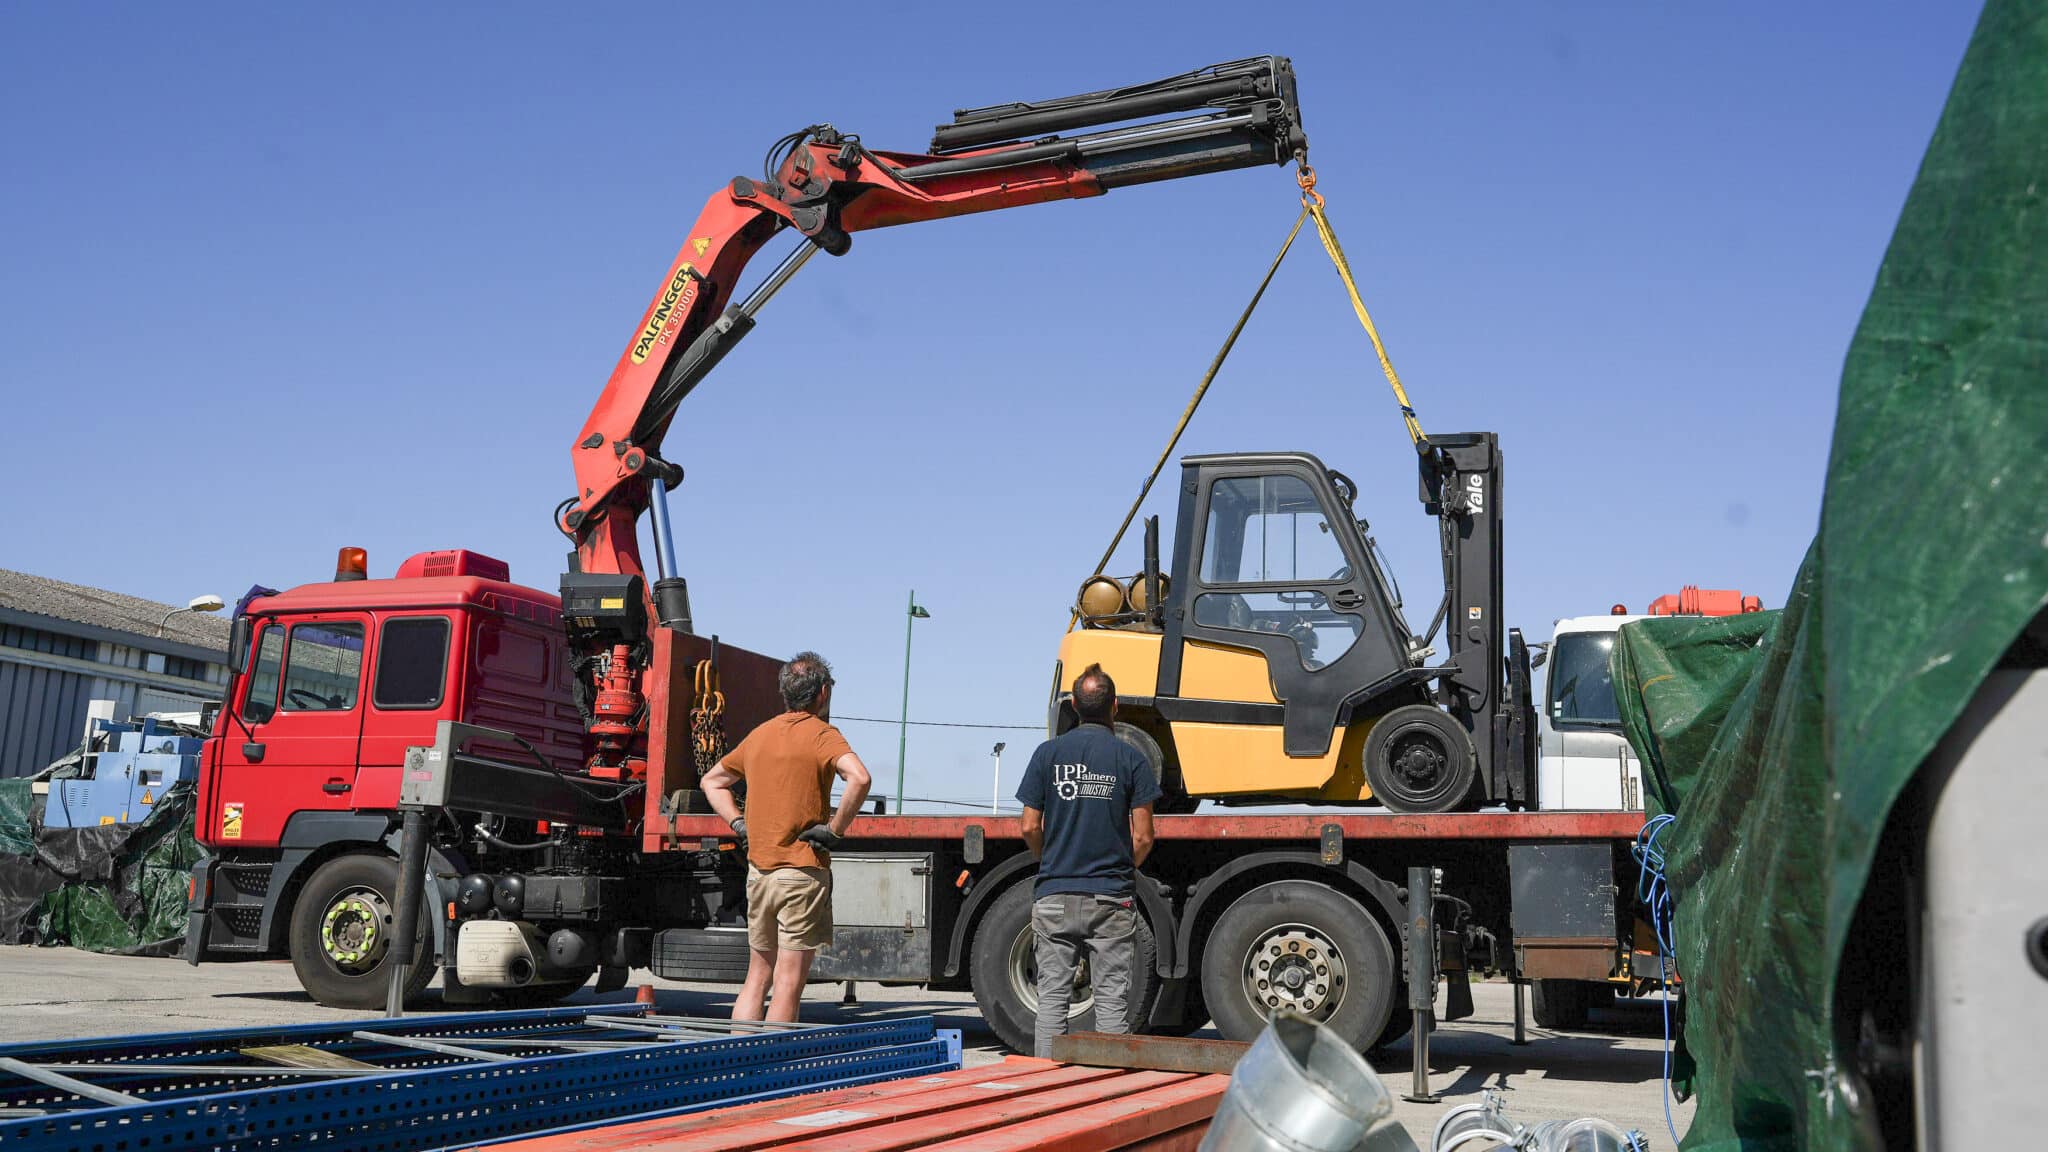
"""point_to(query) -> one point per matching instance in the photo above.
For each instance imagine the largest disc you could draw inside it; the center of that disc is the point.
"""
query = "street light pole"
(995, 791)
(903, 726)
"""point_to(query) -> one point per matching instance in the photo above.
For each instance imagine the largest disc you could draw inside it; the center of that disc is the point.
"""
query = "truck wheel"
(1172, 800)
(341, 934)
(1004, 971)
(1302, 946)
(1565, 1004)
(1417, 759)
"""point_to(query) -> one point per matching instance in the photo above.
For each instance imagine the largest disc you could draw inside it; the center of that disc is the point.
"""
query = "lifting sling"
(1312, 208)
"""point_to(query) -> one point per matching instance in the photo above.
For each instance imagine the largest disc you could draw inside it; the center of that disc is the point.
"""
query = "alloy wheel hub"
(352, 933)
(1295, 967)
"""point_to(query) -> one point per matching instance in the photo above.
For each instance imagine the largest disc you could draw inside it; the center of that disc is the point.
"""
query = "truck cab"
(334, 681)
(1585, 762)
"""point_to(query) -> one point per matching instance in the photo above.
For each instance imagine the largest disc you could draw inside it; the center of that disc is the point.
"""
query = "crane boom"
(827, 185)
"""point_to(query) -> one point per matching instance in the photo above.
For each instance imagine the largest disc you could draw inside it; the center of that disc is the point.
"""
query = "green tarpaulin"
(1781, 741)
(139, 908)
(112, 888)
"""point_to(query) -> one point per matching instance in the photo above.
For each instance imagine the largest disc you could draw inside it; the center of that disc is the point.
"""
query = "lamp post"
(995, 792)
(197, 604)
(903, 726)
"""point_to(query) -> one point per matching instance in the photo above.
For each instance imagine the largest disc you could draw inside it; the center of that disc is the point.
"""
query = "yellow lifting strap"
(1195, 401)
(1311, 208)
(1312, 203)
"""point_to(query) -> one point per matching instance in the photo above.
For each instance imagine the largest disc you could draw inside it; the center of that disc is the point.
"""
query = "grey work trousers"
(1066, 925)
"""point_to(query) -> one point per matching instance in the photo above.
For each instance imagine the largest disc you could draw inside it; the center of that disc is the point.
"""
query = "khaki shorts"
(789, 908)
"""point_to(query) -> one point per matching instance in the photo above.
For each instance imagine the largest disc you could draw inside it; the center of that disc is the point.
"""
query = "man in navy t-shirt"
(1088, 800)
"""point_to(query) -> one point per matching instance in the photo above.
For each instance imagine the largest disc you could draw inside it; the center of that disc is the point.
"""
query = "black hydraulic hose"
(487, 836)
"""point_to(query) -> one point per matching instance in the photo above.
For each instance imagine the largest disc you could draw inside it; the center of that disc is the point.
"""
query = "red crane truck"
(539, 753)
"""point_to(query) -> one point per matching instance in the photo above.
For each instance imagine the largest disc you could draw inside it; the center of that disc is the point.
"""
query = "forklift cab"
(1270, 556)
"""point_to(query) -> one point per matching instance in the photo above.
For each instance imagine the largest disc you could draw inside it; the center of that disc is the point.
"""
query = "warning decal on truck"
(231, 821)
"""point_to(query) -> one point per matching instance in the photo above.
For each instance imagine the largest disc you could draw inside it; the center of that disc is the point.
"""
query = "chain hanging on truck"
(707, 711)
(1312, 208)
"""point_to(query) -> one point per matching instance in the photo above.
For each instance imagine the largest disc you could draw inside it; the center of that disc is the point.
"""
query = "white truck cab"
(1584, 762)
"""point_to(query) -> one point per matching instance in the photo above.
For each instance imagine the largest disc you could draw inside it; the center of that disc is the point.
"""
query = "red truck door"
(304, 710)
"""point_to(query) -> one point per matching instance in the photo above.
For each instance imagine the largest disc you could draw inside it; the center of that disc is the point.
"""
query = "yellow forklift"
(1269, 661)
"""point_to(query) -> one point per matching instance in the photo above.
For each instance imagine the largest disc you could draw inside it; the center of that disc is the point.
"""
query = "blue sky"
(277, 280)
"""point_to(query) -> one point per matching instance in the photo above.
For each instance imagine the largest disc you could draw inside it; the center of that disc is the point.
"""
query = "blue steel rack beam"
(472, 1085)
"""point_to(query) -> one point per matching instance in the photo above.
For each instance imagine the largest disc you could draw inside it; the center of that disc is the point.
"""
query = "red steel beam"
(985, 1125)
(1179, 1140)
(1111, 1124)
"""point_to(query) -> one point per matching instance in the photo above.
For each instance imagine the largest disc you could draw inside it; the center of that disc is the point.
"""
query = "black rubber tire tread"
(1399, 1025)
(1371, 992)
(328, 984)
(1454, 792)
(1011, 1019)
(1172, 801)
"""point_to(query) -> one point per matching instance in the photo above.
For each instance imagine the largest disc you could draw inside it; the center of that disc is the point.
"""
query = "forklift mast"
(1487, 671)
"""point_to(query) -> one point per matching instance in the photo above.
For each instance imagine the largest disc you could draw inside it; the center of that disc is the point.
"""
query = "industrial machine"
(128, 767)
(1270, 658)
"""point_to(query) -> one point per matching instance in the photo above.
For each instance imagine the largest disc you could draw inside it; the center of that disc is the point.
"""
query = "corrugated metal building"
(63, 646)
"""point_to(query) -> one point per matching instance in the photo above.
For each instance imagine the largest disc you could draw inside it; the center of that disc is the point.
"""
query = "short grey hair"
(803, 680)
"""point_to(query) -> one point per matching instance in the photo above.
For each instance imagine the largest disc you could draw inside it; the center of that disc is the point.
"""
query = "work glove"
(739, 832)
(820, 836)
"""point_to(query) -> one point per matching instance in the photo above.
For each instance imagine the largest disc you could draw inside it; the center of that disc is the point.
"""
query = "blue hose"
(1654, 893)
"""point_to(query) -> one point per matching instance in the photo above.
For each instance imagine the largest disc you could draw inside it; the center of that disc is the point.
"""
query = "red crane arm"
(827, 185)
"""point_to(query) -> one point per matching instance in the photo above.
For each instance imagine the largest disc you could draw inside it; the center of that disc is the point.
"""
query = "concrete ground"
(1612, 1071)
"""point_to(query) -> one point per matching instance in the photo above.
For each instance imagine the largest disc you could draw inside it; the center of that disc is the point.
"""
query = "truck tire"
(1301, 945)
(1172, 799)
(1003, 969)
(1417, 759)
(1565, 1004)
(341, 934)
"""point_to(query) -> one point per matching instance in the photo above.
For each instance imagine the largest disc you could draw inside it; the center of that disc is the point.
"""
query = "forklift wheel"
(1417, 759)
(1172, 800)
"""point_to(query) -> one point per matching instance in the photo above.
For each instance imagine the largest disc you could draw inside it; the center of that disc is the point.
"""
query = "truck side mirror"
(1538, 654)
(239, 635)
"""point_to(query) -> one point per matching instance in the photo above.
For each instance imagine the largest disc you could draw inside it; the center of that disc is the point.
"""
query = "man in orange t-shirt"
(788, 831)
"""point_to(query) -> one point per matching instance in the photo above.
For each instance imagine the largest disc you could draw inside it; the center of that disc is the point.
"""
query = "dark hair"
(803, 680)
(1094, 695)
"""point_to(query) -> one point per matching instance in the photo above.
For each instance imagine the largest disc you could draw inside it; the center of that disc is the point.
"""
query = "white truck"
(1584, 762)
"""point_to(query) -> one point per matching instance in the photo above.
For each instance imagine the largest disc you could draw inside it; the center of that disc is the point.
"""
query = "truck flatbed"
(1230, 826)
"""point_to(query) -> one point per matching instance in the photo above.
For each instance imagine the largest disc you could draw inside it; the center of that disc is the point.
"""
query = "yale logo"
(1475, 491)
(675, 299)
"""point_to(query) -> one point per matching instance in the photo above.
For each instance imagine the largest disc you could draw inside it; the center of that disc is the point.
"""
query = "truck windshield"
(1581, 690)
